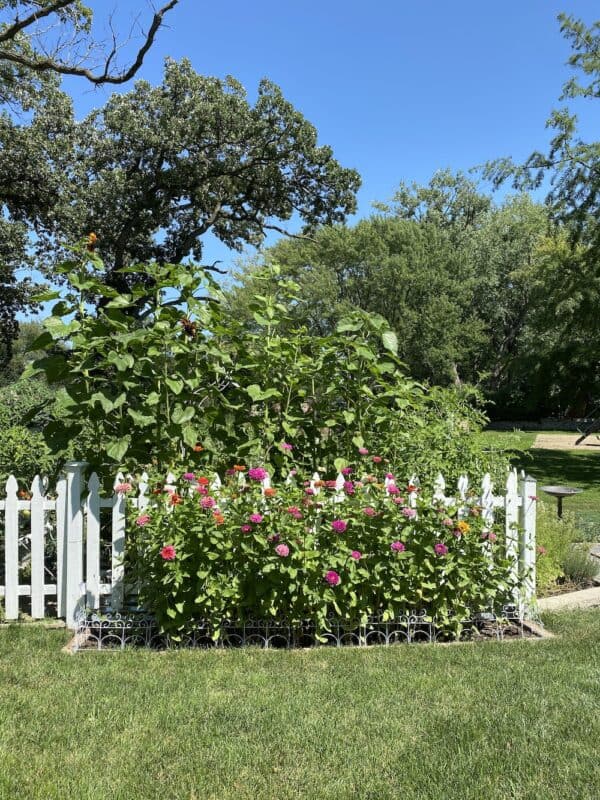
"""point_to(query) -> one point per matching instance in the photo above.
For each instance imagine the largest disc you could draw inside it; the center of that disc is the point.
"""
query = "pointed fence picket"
(77, 508)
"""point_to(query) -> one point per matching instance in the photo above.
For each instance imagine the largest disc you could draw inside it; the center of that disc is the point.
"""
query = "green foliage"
(579, 566)
(24, 454)
(554, 539)
(200, 553)
(147, 392)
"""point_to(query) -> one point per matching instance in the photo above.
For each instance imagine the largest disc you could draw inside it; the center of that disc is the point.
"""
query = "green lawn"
(576, 468)
(485, 721)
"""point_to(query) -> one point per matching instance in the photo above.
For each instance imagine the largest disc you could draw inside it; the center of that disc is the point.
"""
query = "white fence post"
(11, 550)
(73, 542)
(37, 538)
(61, 549)
(92, 543)
(511, 522)
(118, 544)
(527, 488)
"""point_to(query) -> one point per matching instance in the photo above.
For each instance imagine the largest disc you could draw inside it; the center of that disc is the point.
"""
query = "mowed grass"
(485, 721)
(580, 469)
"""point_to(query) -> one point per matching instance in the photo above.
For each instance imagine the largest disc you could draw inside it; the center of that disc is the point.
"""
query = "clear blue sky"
(397, 88)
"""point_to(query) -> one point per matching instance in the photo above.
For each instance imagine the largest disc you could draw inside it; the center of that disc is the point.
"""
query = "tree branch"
(53, 65)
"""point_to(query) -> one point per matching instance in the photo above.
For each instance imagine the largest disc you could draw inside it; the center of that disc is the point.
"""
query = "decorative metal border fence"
(119, 631)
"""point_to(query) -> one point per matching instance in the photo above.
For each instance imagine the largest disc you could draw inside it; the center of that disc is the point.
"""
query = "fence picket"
(92, 543)
(37, 541)
(11, 550)
(143, 498)
(118, 545)
(511, 520)
(61, 550)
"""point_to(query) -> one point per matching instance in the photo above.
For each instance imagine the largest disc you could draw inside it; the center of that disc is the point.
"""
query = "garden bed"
(138, 630)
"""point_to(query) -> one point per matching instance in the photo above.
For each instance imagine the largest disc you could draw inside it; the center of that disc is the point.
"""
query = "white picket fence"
(73, 515)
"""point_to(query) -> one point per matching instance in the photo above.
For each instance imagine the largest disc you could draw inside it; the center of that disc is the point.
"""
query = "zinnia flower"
(246, 528)
(356, 555)
(203, 481)
(286, 446)
(363, 451)
(339, 526)
(256, 518)
(269, 492)
(175, 499)
(348, 487)
(239, 468)
(332, 577)
(492, 536)
(377, 459)
(123, 488)
(188, 476)
(370, 512)
(463, 526)
(447, 522)
(440, 549)
(347, 471)
(142, 520)
(168, 553)
(218, 518)
(294, 511)
(409, 513)
(197, 448)
(393, 489)
(208, 502)
(282, 550)
(398, 547)
(257, 474)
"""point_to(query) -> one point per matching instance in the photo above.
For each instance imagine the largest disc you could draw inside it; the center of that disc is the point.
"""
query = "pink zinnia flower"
(347, 471)
(246, 528)
(377, 459)
(143, 519)
(123, 488)
(168, 552)
(282, 550)
(370, 512)
(309, 491)
(363, 451)
(339, 526)
(440, 549)
(256, 518)
(208, 502)
(286, 446)
(399, 501)
(257, 474)
(332, 577)
(389, 476)
(492, 536)
(188, 476)
(295, 512)
(393, 489)
(398, 547)
(447, 522)
(356, 555)
(409, 513)
(348, 487)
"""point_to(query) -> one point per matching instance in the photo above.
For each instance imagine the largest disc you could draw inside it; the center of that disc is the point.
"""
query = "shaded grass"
(491, 720)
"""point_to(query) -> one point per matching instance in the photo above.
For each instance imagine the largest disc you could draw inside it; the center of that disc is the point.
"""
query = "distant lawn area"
(485, 721)
(570, 467)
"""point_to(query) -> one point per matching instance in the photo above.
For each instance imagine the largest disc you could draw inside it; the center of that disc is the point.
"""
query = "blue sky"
(397, 88)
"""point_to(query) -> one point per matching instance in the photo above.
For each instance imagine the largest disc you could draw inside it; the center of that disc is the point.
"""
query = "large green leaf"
(117, 448)
(390, 341)
(181, 415)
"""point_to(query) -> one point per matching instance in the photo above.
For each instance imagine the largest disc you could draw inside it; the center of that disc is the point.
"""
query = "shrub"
(579, 566)
(554, 538)
(299, 553)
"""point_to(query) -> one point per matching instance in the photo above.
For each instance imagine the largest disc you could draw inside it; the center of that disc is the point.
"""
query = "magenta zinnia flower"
(332, 577)
(348, 487)
(440, 549)
(257, 474)
(286, 446)
(256, 518)
(398, 547)
(347, 471)
(356, 555)
(282, 550)
(168, 552)
(208, 502)
(188, 476)
(339, 526)
(143, 519)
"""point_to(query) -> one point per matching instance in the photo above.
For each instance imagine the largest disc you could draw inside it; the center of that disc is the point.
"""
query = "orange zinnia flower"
(270, 492)
(197, 448)
(239, 468)
(218, 518)
(175, 499)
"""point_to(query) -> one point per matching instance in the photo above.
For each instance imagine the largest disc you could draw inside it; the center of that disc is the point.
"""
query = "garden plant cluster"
(311, 550)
